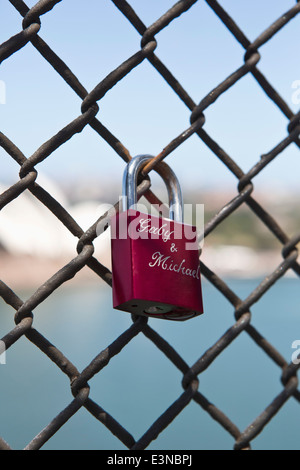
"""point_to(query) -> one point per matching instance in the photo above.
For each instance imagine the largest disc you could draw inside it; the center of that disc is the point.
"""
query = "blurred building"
(27, 227)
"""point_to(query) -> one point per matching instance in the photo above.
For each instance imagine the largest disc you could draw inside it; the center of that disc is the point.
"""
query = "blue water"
(140, 383)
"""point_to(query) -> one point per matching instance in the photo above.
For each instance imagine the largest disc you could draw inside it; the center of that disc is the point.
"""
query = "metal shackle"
(170, 179)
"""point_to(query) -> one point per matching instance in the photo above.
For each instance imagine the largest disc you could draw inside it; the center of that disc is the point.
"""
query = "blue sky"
(93, 38)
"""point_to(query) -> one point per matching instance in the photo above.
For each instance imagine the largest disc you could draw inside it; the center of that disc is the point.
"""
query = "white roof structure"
(27, 227)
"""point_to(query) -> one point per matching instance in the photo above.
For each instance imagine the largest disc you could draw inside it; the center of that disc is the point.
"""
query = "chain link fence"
(24, 309)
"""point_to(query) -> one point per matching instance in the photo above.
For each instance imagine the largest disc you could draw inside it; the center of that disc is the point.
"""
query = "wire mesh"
(24, 318)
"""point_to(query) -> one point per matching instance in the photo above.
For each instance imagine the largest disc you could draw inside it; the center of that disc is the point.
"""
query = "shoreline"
(29, 272)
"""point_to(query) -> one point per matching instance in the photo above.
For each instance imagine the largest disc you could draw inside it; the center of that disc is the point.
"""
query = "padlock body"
(155, 267)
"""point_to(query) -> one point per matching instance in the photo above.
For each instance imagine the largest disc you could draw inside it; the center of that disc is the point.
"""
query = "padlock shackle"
(130, 184)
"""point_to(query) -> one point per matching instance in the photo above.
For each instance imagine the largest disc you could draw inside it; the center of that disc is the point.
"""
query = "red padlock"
(155, 261)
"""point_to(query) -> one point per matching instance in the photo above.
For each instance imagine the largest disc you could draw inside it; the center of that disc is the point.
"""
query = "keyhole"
(158, 309)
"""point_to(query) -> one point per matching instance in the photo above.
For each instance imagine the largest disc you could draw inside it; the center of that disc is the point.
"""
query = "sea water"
(140, 383)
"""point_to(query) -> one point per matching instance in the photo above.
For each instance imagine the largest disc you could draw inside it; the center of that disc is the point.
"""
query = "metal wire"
(24, 318)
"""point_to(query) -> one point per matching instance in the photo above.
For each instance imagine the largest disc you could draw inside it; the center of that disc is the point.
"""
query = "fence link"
(24, 318)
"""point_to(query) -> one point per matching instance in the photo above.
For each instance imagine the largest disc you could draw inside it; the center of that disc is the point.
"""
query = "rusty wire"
(24, 318)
